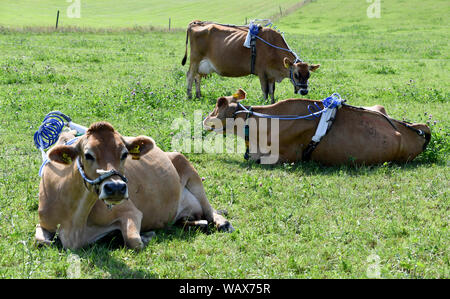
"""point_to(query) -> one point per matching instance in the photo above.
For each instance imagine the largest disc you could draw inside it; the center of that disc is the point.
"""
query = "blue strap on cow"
(250, 42)
(333, 101)
(253, 28)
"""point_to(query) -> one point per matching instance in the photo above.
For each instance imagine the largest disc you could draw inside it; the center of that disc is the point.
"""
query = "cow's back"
(361, 137)
(220, 48)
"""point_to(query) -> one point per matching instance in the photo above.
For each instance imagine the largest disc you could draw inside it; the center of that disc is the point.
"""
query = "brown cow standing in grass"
(360, 136)
(219, 49)
(147, 192)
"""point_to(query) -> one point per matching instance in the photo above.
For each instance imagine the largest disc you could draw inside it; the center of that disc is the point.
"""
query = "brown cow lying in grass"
(147, 192)
(361, 136)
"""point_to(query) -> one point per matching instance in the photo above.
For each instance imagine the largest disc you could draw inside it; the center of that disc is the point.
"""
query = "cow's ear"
(314, 67)
(222, 102)
(287, 62)
(240, 95)
(64, 154)
(138, 146)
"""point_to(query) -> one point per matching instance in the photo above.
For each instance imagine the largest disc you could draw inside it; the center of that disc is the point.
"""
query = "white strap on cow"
(253, 30)
(325, 122)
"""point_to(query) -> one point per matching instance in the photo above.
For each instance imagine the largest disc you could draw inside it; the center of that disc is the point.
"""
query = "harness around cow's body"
(327, 116)
(250, 42)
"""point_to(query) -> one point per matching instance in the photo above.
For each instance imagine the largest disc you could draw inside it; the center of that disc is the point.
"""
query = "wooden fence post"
(57, 19)
(169, 24)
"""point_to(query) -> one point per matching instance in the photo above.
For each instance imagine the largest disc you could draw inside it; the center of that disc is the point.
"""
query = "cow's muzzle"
(303, 91)
(114, 190)
(109, 190)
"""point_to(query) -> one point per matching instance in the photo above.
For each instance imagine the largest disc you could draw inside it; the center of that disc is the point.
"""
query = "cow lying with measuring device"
(328, 131)
(91, 187)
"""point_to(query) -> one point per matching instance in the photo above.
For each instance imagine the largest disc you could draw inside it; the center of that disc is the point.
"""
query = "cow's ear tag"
(135, 153)
(235, 95)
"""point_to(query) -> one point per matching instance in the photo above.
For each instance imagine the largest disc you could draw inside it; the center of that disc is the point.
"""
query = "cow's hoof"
(43, 237)
(225, 227)
(147, 236)
(135, 244)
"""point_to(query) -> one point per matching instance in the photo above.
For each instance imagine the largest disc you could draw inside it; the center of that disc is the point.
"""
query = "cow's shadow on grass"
(315, 168)
(100, 253)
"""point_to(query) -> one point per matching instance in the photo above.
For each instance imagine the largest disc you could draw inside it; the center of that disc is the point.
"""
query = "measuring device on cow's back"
(327, 116)
(252, 35)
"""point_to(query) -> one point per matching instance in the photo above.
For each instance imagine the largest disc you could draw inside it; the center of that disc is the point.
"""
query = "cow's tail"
(183, 62)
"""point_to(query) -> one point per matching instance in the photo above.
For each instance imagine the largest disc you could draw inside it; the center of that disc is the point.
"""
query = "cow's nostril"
(123, 189)
(109, 189)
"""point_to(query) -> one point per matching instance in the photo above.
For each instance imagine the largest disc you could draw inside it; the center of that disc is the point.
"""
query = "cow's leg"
(271, 84)
(130, 226)
(194, 195)
(189, 82)
(264, 86)
(198, 93)
(190, 77)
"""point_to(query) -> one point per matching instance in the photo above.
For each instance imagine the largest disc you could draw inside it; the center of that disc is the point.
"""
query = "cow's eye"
(124, 156)
(296, 76)
(88, 156)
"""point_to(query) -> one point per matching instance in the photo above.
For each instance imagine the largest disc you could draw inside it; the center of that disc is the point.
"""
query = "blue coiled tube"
(50, 129)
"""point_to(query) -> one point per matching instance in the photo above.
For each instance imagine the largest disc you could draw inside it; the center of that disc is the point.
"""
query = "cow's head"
(225, 108)
(299, 73)
(102, 150)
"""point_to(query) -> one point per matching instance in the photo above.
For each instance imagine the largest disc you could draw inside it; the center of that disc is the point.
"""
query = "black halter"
(96, 183)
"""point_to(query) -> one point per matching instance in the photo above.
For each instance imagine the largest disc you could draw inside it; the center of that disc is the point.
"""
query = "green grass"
(292, 221)
(131, 13)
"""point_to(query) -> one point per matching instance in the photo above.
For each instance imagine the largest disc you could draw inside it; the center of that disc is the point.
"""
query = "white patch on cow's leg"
(188, 206)
(206, 67)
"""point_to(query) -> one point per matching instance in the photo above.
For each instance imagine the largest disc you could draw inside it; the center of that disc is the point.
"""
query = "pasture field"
(132, 13)
(292, 221)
